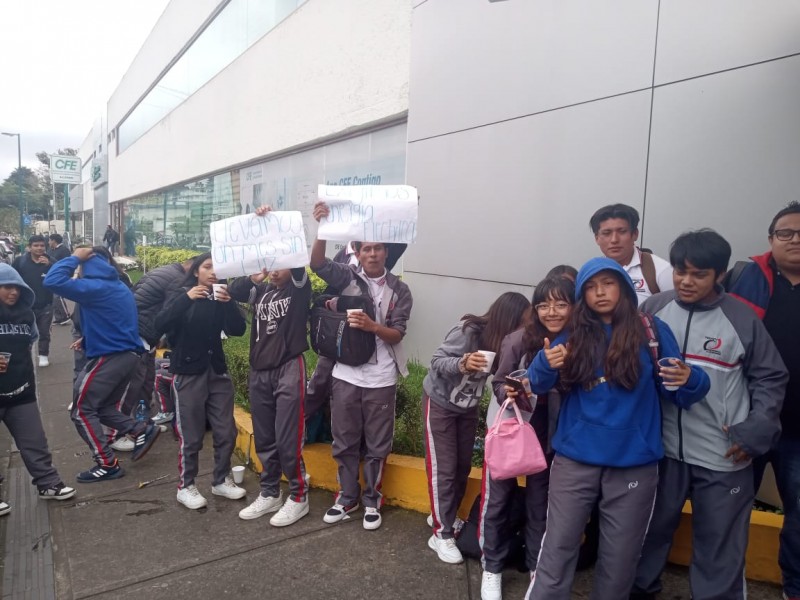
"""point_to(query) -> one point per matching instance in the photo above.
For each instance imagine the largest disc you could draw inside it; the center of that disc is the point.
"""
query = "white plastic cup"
(238, 474)
(522, 375)
(489, 356)
(216, 287)
(665, 362)
(5, 358)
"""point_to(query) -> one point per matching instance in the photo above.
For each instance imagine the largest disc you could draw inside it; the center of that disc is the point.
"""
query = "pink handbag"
(512, 448)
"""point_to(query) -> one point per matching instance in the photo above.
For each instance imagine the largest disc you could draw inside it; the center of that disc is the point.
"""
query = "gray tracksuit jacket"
(748, 378)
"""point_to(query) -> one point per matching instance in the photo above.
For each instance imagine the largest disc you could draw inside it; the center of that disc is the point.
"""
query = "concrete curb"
(406, 485)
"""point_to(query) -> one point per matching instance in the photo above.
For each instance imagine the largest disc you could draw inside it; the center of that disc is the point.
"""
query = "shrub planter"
(405, 484)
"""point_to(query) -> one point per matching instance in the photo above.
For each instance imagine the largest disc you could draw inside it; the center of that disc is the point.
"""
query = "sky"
(60, 61)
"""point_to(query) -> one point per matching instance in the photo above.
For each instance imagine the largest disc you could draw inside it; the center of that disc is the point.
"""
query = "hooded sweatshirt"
(609, 425)
(107, 308)
(17, 333)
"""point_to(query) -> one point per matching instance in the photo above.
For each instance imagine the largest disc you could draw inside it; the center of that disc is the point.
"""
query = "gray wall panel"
(696, 38)
(724, 154)
(476, 62)
(506, 203)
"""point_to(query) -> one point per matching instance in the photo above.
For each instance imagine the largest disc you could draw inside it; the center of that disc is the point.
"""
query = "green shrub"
(152, 257)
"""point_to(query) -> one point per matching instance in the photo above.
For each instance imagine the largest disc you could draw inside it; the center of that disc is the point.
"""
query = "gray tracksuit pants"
(24, 423)
(449, 441)
(96, 394)
(358, 412)
(276, 403)
(319, 386)
(207, 395)
(721, 505)
(626, 497)
(142, 383)
(44, 322)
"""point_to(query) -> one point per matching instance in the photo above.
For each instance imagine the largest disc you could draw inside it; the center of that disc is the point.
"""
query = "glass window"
(237, 27)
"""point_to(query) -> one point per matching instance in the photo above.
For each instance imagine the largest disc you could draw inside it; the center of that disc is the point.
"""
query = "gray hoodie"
(728, 341)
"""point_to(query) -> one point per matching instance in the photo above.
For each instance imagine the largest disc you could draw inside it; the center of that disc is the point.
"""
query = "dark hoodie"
(17, 333)
(107, 309)
(609, 425)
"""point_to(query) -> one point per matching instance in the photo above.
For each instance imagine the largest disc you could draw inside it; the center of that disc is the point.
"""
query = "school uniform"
(363, 397)
(748, 380)
(278, 338)
(607, 445)
(450, 405)
(201, 385)
(497, 494)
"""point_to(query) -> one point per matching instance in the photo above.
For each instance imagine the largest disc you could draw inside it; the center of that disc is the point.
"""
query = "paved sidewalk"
(116, 540)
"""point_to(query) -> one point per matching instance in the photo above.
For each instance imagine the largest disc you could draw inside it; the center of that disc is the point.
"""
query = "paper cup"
(218, 286)
(5, 358)
(489, 356)
(665, 362)
(353, 311)
(238, 474)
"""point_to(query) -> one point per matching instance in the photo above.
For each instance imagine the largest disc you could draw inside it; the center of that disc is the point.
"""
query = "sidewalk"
(115, 540)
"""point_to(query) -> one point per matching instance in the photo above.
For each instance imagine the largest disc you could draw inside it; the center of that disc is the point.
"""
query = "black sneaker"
(101, 473)
(144, 441)
(337, 512)
(57, 492)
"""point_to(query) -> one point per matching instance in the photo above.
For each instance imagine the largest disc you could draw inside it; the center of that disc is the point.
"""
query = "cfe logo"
(97, 172)
(712, 345)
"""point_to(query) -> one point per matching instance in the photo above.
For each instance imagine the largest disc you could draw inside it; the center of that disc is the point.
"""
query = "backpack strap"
(649, 271)
(651, 330)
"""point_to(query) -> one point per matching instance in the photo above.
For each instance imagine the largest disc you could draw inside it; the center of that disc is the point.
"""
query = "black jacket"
(193, 329)
(33, 275)
(59, 252)
(151, 292)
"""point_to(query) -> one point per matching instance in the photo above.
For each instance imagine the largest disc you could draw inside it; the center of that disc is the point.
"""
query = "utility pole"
(19, 189)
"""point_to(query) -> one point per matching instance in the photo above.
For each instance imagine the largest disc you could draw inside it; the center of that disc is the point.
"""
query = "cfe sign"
(65, 169)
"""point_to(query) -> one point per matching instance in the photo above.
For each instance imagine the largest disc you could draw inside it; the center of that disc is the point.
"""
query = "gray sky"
(61, 61)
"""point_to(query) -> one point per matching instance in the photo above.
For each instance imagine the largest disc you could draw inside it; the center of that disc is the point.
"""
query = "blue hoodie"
(107, 307)
(609, 425)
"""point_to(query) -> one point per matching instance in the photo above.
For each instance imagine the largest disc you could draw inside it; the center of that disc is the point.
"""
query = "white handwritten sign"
(246, 244)
(369, 213)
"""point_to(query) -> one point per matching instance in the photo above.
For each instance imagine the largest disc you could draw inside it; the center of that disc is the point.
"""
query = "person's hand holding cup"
(5, 358)
(219, 291)
(481, 360)
(673, 372)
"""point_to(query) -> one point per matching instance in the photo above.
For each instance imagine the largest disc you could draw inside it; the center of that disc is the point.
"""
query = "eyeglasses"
(559, 307)
(786, 235)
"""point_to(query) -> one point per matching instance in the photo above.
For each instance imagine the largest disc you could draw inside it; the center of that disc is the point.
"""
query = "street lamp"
(19, 188)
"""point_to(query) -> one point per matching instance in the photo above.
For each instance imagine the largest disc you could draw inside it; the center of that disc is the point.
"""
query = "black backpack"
(333, 338)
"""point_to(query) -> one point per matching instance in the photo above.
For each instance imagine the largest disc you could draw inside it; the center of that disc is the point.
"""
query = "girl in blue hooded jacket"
(608, 441)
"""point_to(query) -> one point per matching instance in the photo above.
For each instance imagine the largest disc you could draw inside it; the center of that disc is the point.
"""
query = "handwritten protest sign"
(369, 213)
(246, 244)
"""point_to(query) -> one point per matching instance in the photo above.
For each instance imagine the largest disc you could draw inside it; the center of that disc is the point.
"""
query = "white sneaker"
(191, 497)
(290, 512)
(430, 521)
(372, 518)
(162, 417)
(260, 507)
(123, 444)
(446, 549)
(337, 512)
(492, 586)
(44, 361)
(228, 490)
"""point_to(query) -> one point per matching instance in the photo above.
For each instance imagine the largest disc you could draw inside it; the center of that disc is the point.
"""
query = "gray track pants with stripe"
(97, 391)
(358, 412)
(276, 402)
(721, 505)
(207, 395)
(626, 498)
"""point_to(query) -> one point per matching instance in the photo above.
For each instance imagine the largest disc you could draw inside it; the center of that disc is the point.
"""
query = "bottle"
(141, 411)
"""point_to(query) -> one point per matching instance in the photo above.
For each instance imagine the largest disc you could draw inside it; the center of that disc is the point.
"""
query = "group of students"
(626, 436)
(641, 400)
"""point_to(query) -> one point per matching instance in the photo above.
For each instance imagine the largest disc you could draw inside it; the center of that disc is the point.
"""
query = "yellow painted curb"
(405, 484)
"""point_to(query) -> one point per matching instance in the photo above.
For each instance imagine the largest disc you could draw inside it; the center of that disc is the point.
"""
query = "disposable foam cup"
(216, 287)
(665, 362)
(353, 311)
(238, 474)
(489, 356)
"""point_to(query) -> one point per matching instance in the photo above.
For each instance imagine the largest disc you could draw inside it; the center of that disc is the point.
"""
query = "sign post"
(66, 170)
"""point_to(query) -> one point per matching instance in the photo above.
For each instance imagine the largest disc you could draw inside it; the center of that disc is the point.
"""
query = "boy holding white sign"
(363, 397)
(280, 301)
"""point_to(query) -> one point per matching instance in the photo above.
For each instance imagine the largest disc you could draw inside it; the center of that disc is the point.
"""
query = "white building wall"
(329, 67)
(525, 116)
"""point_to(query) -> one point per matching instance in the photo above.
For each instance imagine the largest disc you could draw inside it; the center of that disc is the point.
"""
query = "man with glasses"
(771, 286)
(616, 229)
